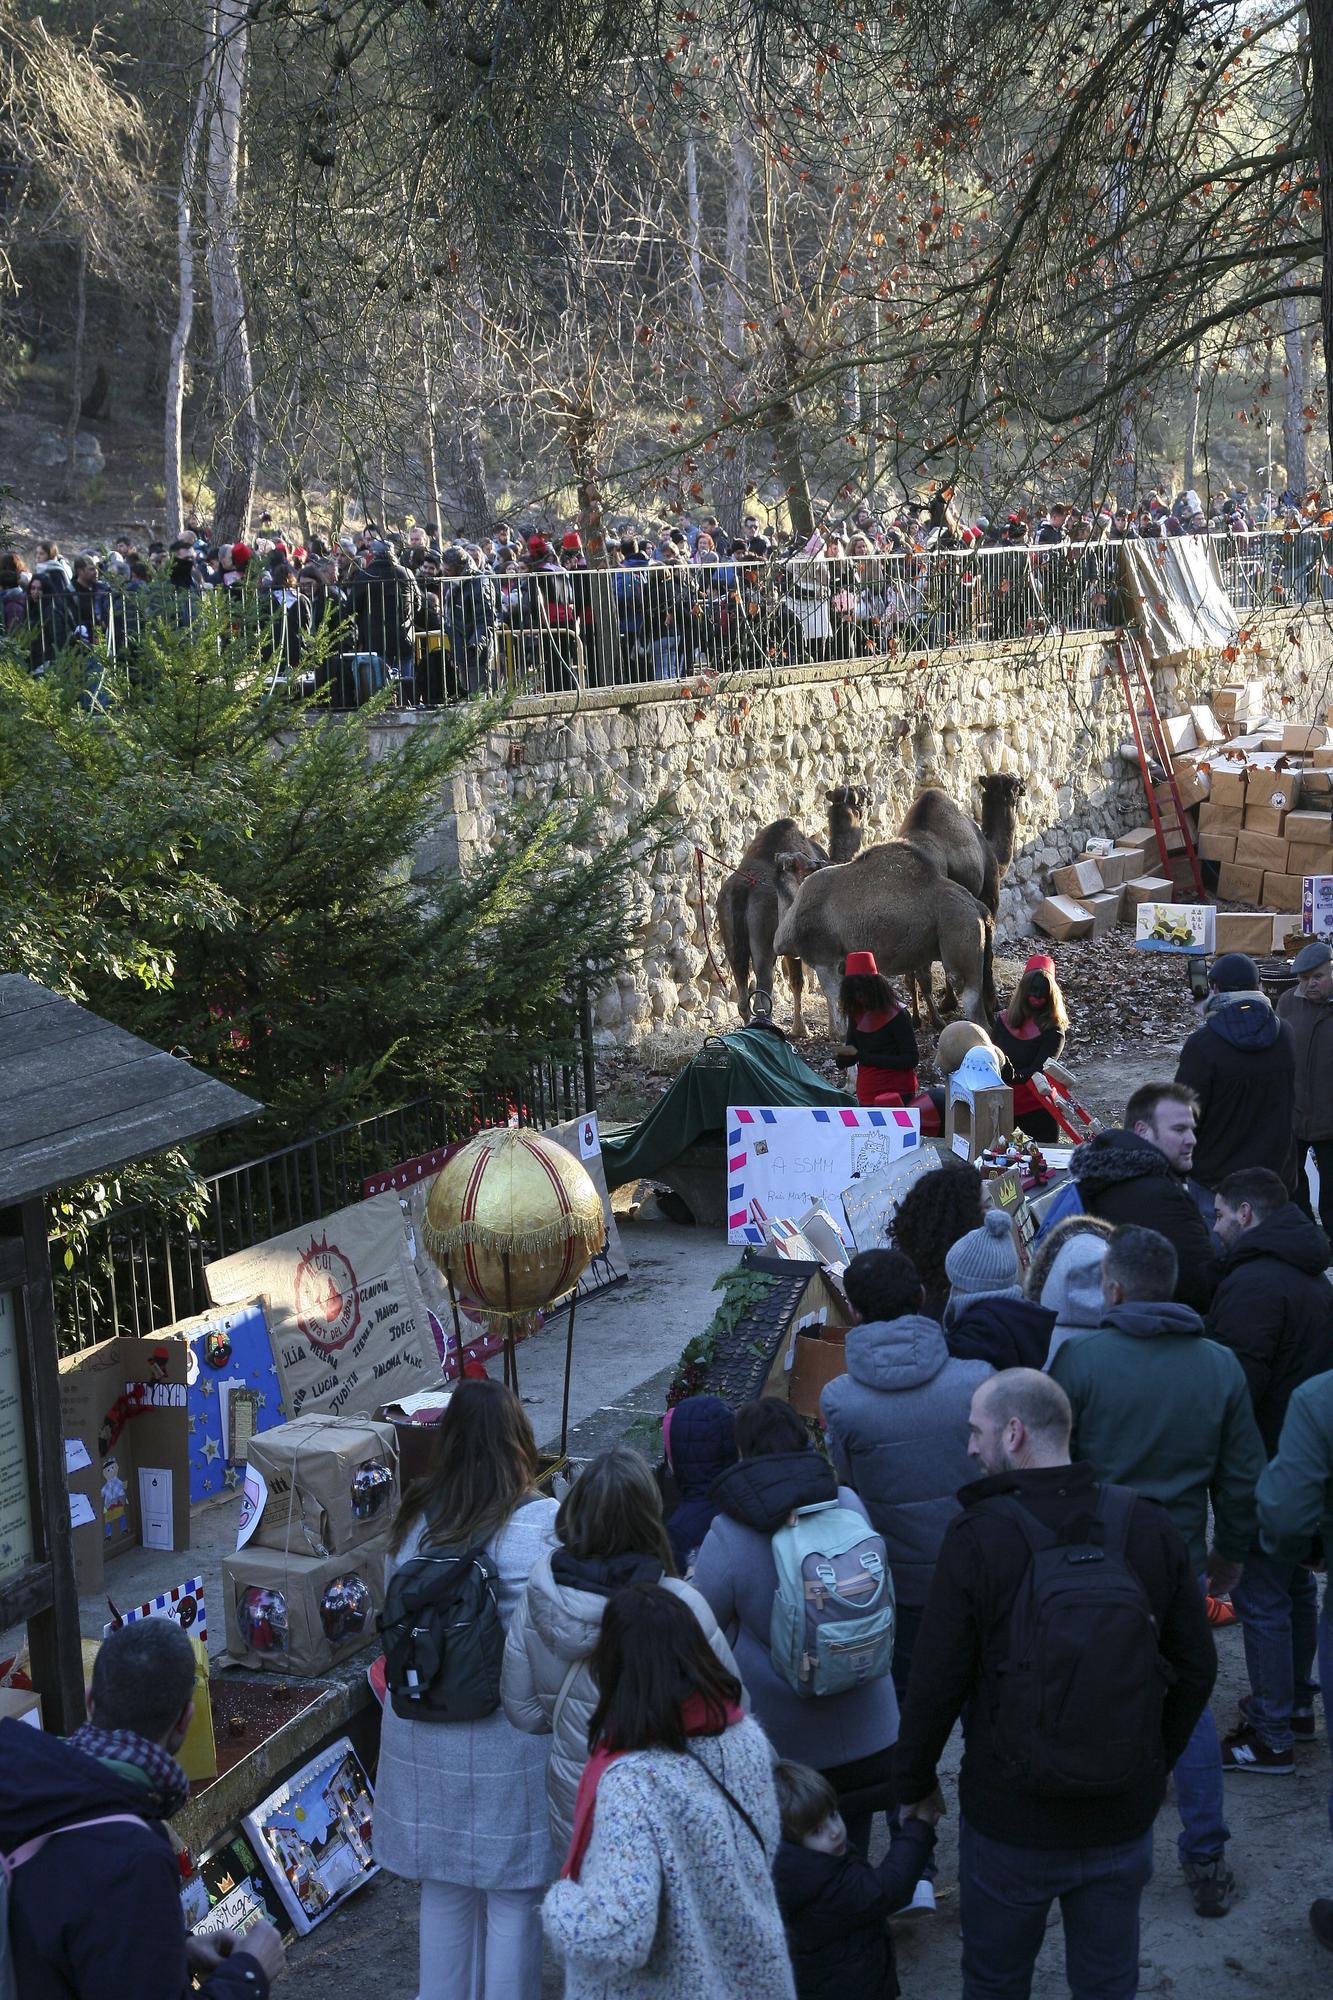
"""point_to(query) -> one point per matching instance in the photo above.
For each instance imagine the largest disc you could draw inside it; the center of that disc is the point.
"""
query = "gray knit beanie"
(984, 1263)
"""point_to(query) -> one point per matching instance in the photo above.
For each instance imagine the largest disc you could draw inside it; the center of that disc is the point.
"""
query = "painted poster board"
(227, 1350)
(1189, 928)
(15, 1497)
(1317, 906)
(230, 1891)
(781, 1160)
(582, 1137)
(313, 1835)
(346, 1313)
(871, 1203)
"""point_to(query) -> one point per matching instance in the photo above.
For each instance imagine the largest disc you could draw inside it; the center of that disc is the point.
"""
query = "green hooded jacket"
(1296, 1492)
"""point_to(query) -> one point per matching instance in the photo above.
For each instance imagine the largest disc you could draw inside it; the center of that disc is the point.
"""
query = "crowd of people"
(653, 1727)
(443, 617)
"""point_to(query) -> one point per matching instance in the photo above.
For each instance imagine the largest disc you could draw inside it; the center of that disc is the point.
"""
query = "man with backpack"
(93, 1899)
(1159, 1407)
(1064, 1625)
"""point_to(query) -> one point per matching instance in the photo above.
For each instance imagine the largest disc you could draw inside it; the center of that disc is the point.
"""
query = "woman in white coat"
(461, 1806)
(610, 1534)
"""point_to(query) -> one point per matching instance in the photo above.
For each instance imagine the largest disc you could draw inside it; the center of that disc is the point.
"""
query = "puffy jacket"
(1072, 1289)
(1124, 1178)
(835, 1908)
(736, 1572)
(1311, 1024)
(1241, 1065)
(1274, 1310)
(1005, 1332)
(1160, 1408)
(547, 1682)
(96, 1915)
(384, 599)
(700, 1439)
(897, 1429)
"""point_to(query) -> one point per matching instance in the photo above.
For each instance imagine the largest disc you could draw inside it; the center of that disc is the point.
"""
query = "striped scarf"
(168, 1786)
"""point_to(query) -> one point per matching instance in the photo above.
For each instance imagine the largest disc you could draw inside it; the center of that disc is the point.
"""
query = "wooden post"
(45, 1594)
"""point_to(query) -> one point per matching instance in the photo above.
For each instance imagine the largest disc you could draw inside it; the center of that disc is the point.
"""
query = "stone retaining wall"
(735, 757)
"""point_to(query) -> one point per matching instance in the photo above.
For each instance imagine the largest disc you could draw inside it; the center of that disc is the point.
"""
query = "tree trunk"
(1293, 409)
(238, 452)
(730, 480)
(69, 476)
(1319, 14)
(1195, 397)
(180, 336)
(783, 423)
(694, 252)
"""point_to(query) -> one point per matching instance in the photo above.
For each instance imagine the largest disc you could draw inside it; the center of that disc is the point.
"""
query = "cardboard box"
(300, 1615)
(1323, 759)
(1080, 878)
(1118, 866)
(1265, 786)
(1192, 782)
(1264, 819)
(1240, 885)
(123, 1412)
(1239, 702)
(1207, 728)
(1302, 737)
(1144, 838)
(21, 1705)
(1284, 892)
(1317, 787)
(1175, 927)
(1179, 733)
(1310, 861)
(1061, 917)
(974, 1122)
(1217, 846)
(1144, 889)
(1309, 829)
(1238, 930)
(1317, 905)
(1214, 818)
(1261, 850)
(1226, 786)
(819, 1359)
(1104, 910)
(1272, 744)
(331, 1485)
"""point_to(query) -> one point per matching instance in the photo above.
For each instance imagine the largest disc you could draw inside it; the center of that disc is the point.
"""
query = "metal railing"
(439, 640)
(142, 1268)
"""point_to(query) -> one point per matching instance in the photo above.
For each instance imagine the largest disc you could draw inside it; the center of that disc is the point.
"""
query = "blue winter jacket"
(96, 1915)
(897, 1429)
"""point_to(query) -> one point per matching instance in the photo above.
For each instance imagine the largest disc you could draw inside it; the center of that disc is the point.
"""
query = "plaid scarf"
(168, 1786)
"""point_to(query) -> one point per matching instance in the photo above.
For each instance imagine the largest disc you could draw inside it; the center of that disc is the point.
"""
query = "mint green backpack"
(832, 1623)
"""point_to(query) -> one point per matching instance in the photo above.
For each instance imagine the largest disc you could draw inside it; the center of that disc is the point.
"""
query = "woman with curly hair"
(932, 1215)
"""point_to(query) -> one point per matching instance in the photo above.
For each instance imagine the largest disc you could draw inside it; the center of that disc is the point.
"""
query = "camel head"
(850, 798)
(1003, 787)
(792, 870)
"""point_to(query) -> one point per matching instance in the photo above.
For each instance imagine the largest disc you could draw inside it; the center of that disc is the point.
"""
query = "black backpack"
(443, 1640)
(1076, 1710)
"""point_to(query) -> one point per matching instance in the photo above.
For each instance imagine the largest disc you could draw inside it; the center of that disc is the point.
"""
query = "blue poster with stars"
(232, 1390)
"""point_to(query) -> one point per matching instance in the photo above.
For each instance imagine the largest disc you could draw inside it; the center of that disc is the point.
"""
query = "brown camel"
(747, 903)
(891, 900)
(976, 857)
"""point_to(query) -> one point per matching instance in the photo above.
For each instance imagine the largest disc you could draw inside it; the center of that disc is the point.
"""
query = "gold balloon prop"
(513, 1220)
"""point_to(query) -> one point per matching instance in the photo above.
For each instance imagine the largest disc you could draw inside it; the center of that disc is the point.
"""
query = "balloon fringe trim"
(443, 1243)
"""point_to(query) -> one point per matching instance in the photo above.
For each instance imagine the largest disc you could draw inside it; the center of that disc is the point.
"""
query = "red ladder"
(1168, 815)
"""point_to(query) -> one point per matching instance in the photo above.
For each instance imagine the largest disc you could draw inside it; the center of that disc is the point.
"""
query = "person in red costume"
(1029, 1033)
(880, 1038)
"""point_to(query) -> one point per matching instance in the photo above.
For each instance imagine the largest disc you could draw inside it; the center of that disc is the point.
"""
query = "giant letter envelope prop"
(345, 1309)
(781, 1160)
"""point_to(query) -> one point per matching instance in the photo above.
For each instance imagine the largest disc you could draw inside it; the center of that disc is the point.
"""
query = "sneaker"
(1247, 1752)
(1221, 1611)
(1321, 1922)
(923, 1900)
(1211, 1885)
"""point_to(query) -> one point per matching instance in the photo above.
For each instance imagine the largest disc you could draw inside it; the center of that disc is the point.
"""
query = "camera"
(1197, 970)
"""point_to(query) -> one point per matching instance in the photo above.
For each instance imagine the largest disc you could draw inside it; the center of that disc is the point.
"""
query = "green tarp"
(759, 1067)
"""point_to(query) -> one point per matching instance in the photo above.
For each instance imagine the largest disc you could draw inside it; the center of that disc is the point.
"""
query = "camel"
(976, 857)
(891, 900)
(747, 903)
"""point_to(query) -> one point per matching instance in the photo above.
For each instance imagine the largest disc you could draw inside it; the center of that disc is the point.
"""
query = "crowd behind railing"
(441, 619)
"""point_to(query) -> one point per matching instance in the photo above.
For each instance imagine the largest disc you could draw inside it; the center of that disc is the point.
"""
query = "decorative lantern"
(513, 1220)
